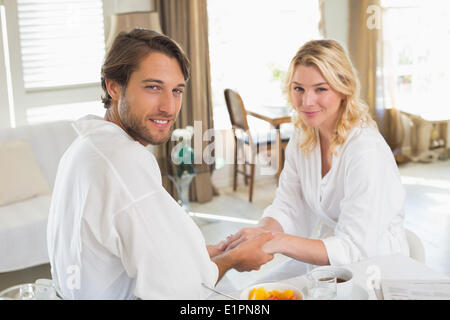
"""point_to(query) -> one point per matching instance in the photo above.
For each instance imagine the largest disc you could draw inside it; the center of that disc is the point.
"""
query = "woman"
(340, 198)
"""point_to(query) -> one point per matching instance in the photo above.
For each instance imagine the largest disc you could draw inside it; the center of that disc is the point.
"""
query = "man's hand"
(216, 249)
(247, 256)
(250, 255)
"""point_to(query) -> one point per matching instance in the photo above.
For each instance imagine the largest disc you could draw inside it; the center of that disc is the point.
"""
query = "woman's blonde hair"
(334, 64)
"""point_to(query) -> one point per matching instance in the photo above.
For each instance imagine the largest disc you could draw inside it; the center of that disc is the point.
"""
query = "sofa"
(23, 222)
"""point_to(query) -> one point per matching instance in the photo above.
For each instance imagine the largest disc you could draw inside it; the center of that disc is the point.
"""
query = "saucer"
(358, 293)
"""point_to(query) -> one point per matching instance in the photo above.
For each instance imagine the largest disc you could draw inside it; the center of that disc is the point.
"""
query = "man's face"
(152, 99)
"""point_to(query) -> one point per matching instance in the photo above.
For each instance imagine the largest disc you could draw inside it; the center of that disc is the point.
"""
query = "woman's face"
(315, 101)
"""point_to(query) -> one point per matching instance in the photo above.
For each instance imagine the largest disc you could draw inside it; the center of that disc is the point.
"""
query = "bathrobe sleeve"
(373, 197)
(288, 207)
(162, 248)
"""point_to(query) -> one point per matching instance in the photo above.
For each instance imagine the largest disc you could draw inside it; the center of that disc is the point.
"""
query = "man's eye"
(178, 91)
(152, 87)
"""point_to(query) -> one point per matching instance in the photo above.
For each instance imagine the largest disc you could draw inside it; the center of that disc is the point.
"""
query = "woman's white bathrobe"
(359, 202)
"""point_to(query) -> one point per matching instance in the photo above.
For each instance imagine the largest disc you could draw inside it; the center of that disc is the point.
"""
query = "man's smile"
(161, 123)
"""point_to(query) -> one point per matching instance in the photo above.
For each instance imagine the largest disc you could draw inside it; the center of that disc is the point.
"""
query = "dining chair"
(245, 137)
(416, 248)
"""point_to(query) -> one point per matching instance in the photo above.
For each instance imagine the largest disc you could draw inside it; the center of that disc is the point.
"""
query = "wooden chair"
(243, 138)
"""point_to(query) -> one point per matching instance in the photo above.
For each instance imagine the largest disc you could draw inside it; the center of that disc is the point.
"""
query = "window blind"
(61, 41)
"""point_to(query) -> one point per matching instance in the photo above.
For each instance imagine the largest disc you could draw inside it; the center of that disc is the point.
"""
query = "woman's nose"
(309, 98)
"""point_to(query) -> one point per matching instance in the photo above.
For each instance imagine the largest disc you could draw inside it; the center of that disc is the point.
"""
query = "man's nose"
(167, 104)
(309, 98)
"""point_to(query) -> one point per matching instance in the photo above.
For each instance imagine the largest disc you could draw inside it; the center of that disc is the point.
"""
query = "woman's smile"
(311, 114)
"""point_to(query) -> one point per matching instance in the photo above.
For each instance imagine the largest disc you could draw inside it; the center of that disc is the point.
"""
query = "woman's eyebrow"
(314, 85)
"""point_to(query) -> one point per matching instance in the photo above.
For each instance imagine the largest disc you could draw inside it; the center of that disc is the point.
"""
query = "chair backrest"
(236, 109)
(416, 249)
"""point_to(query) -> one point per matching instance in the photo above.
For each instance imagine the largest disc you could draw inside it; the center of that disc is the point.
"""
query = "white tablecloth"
(392, 267)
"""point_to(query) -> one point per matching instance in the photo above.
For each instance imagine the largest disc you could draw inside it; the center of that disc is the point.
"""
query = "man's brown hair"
(127, 51)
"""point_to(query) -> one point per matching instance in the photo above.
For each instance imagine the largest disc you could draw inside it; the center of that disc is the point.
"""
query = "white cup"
(345, 288)
(321, 285)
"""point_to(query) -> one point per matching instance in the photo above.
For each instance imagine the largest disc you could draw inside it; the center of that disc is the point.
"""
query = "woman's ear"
(344, 99)
(114, 89)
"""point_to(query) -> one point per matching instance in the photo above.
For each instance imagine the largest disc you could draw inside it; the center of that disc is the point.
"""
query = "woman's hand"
(276, 244)
(244, 234)
(266, 224)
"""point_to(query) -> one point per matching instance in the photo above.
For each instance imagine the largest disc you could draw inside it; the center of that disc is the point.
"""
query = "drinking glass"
(29, 291)
(321, 285)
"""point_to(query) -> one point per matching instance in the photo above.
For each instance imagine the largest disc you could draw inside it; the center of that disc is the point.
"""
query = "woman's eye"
(300, 89)
(322, 89)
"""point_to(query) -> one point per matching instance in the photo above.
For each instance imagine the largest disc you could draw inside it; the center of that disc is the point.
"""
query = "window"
(53, 51)
(251, 44)
(416, 68)
(61, 42)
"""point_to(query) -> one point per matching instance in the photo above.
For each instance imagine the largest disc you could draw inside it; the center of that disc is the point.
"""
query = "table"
(276, 116)
(392, 267)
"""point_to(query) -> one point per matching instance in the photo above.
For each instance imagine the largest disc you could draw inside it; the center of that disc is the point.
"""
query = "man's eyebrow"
(162, 82)
(152, 80)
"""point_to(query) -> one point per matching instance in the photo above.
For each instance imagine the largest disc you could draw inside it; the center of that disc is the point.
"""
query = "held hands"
(244, 234)
(250, 255)
(216, 249)
(246, 256)
(248, 249)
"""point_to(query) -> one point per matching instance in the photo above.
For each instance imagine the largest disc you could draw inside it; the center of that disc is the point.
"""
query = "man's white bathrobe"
(359, 202)
(113, 230)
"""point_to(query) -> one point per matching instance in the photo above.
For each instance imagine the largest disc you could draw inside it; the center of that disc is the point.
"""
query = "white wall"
(4, 105)
(336, 18)
(111, 7)
(122, 6)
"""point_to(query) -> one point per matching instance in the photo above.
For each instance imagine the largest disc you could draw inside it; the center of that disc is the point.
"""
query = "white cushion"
(20, 176)
(48, 142)
(23, 238)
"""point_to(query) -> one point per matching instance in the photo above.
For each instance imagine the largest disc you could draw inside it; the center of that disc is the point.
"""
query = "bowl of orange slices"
(271, 291)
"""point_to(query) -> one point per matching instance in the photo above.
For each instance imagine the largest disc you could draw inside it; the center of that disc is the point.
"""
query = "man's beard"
(136, 128)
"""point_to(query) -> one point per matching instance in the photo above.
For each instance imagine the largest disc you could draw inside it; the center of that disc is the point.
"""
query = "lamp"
(130, 20)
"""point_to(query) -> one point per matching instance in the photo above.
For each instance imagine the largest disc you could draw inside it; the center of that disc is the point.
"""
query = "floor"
(427, 210)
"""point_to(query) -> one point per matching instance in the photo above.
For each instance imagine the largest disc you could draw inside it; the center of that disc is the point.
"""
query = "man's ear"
(114, 89)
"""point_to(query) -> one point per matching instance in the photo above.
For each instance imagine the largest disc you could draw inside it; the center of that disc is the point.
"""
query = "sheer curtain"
(186, 21)
(363, 45)
(365, 49)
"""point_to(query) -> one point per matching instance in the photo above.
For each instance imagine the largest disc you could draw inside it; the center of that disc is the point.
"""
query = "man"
(113, 231)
